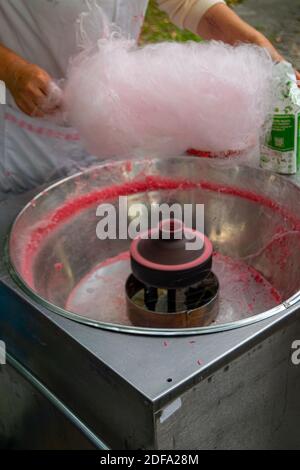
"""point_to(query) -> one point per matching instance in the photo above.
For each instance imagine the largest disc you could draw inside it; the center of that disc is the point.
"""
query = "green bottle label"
(282, 136)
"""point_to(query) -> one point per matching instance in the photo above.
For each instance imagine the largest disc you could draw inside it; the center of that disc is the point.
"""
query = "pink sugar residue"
(58, 267)
(242, 276)
(208, 154)
(150, 183)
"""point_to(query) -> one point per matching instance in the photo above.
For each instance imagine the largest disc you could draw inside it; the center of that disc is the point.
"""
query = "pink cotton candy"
(163, 99)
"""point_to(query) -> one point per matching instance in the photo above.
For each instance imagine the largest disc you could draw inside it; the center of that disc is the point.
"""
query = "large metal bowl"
(251, 217)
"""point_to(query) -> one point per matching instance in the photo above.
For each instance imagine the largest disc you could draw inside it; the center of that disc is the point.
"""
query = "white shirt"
(44, 31)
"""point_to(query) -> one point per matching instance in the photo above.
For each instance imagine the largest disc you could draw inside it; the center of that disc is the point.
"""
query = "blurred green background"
(158, 27)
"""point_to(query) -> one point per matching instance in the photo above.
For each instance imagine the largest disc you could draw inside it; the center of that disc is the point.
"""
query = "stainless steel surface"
(124, 387)
(249, 216)
(33, 418)
(252, 402)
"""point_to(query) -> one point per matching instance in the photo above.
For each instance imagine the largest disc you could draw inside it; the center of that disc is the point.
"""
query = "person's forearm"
(9, 63)
(27, 83)
(221, 23)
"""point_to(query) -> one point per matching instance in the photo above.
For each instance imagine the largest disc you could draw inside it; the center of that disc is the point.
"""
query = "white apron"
(44, 33)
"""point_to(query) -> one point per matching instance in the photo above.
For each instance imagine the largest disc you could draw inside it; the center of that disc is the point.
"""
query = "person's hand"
(221, 23)
(276, 56)
(29, 86)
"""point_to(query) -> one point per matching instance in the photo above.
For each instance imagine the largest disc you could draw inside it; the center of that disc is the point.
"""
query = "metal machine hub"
(171, 286)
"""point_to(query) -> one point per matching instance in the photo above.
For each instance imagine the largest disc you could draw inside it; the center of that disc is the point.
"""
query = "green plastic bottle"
(280, 152)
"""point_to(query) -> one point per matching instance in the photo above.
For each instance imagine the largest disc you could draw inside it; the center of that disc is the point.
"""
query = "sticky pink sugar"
(150, 183)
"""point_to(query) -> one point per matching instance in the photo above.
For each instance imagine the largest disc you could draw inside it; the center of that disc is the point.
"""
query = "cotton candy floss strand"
(163, 99)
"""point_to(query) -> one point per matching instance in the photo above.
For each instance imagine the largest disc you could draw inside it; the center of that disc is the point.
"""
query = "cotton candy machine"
(166, 386)
(251, 243)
